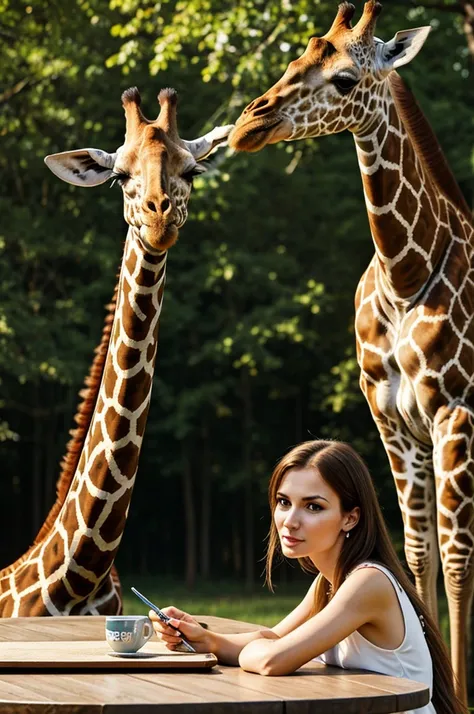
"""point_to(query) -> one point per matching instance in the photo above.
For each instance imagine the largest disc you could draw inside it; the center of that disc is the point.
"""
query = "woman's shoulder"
(369, 580)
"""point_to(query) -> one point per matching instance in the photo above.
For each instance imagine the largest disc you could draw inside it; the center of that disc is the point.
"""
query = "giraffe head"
(154, 166)
(333, 86)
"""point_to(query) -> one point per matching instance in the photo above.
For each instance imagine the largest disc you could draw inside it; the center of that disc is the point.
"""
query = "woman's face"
(308, 515)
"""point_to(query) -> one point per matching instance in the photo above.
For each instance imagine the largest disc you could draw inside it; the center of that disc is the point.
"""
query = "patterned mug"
(127, 633)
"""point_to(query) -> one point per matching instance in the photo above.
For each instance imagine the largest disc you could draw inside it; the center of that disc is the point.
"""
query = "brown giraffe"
(415, 302)
(68, 568)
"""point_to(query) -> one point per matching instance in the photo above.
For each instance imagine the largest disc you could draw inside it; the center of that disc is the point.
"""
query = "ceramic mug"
(127, 633)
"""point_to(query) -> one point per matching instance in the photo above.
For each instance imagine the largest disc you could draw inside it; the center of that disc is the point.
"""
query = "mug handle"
(147, 627)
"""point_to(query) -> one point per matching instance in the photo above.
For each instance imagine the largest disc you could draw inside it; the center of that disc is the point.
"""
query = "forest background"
(256, 349)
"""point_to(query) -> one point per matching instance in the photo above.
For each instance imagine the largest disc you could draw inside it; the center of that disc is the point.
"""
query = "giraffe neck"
(410, 215)
(64, 572)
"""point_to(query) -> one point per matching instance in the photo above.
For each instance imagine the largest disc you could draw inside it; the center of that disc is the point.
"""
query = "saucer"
(133, 655)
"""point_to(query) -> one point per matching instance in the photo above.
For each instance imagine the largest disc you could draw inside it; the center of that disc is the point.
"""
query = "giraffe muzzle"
(252, 134)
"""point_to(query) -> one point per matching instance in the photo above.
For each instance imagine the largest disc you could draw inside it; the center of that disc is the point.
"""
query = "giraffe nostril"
(165, 204)
(151, 206)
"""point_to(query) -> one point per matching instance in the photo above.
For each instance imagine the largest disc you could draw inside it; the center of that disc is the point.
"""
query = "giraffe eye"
(195, 171)
(119, 177)
(344, 84)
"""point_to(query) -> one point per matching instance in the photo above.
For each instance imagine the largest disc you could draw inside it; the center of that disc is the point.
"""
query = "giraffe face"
(156, 171)
(154, 166)
(335, 85)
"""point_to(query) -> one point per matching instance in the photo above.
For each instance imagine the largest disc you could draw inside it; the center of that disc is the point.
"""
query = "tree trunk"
(298, 416)
(206, 478)
(36, 490)
(51, 461)
(247, 432)
(236, 550)
(189, 518)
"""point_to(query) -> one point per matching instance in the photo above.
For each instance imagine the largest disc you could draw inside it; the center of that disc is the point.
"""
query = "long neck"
(92, 519)
(410, 215)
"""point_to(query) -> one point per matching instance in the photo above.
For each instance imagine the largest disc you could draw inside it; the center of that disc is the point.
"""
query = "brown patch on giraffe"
(426, 144)
(95, 437)
(80, 585)
(454, 380)
(114, 524)
(465, 520)
(151, 352)
(386, 224)
(141, 421)
(92, 506)
(410, 273)
(134, 390)
(435, 339)
(438, 298)
(126, 459)
(401, 485)
(429, 393)
(69, 516)
(466, 357)
(127, 357)
(425, 229)
(304, 107)
(101, 476)
(131, 262)
(24, 577)
(148, 278)
(408, 205)
(56, 553)
(409, 360)
(117, 425)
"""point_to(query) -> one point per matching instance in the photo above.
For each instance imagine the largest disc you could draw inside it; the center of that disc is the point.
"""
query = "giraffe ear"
(202, 147)
(402, 48)
(83, 167)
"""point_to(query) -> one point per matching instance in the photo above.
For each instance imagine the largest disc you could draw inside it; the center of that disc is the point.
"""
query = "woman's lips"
(288, 540)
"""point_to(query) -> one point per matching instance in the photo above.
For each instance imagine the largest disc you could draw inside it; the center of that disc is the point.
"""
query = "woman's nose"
(291, 520)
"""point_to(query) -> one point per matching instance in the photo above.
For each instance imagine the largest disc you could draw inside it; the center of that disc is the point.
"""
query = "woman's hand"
(196, 635)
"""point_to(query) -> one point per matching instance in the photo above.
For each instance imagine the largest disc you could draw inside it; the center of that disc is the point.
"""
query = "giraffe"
(414, 303)
(67, 570)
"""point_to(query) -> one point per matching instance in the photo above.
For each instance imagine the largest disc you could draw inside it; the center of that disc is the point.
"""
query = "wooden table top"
(314, 689)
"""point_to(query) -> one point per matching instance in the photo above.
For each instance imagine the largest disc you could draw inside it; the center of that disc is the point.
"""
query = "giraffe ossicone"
(414, 321)
(68, 569)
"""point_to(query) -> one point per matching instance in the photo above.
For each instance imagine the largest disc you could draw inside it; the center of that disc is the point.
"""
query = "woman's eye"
(283, 502)
(344, 84)
(315, 507)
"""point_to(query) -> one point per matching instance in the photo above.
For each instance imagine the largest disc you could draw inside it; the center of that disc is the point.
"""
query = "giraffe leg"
(412, 468)
(454, 471)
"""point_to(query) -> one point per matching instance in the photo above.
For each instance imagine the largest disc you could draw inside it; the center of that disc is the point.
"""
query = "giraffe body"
(68, 570)
(414, 304)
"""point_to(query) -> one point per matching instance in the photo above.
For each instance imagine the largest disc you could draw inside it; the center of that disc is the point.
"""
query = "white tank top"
(411, 660)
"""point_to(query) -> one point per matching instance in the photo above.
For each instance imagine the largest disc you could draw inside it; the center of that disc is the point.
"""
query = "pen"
(163, 617)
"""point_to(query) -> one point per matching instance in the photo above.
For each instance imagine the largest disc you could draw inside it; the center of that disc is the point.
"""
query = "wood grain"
(95, 654)
(313, 689)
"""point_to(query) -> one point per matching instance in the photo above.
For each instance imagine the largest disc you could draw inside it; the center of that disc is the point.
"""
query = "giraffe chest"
(412, 364)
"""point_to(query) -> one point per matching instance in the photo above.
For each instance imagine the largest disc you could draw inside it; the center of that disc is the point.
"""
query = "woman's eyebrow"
(305, 498)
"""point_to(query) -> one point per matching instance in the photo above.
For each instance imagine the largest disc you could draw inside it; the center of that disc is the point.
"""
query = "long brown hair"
(345, 472)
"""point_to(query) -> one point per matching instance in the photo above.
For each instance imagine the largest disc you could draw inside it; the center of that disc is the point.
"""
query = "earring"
(348, 534)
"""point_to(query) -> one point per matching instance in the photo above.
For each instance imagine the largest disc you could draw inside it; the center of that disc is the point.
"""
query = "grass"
(224, 599)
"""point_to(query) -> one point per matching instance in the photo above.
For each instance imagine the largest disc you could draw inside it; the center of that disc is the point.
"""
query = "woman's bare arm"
(362, 598)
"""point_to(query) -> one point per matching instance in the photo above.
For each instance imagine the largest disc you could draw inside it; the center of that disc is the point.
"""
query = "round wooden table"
(313, 689)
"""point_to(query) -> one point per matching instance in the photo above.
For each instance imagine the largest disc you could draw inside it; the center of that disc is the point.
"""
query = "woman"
(361, 610)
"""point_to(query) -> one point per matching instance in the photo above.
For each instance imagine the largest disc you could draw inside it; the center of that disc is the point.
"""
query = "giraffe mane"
(83, 418)
(426, 143)
(74, 447)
